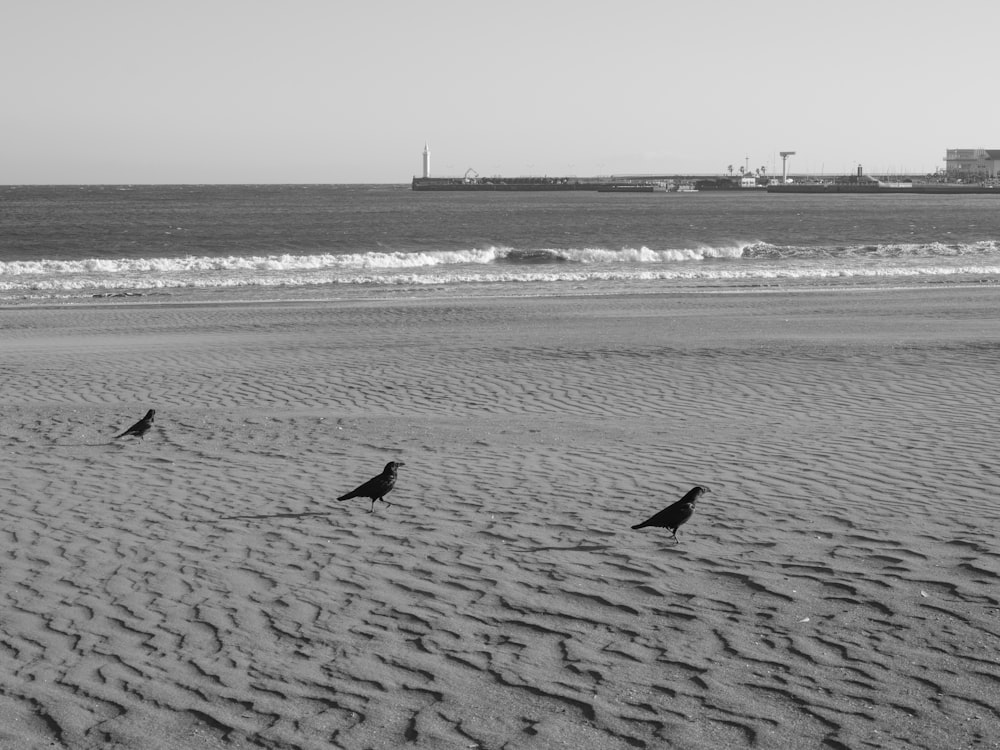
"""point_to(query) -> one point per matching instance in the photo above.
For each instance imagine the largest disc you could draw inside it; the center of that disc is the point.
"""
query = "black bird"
(141, 427)
(674, 516)
(377, 487)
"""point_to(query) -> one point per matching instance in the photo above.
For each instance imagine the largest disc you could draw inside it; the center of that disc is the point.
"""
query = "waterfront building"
(972, 163)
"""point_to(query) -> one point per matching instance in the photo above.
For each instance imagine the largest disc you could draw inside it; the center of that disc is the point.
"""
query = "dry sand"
(201, 588)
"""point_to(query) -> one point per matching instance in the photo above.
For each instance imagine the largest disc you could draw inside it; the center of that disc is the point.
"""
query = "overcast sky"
(335, 91)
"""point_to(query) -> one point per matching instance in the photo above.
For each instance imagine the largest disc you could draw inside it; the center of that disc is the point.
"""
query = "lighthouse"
(427, 160)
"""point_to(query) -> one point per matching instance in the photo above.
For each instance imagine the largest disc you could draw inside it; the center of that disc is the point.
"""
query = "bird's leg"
(372, 509)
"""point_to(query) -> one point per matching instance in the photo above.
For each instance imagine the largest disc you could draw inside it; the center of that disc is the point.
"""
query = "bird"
(377, 487)
(674, 516)
(141, 427)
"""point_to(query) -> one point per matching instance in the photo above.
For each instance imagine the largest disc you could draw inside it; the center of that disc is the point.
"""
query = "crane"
(784, 164)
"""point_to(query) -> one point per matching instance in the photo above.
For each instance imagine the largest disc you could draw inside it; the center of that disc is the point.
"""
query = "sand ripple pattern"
(838, 588)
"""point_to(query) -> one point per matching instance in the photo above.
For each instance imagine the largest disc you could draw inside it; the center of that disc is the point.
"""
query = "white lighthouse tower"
(427, 160)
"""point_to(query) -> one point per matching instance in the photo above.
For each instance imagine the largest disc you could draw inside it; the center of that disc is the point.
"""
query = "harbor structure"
(972, 163)
(969, 171)
(784, 164)
(863, 183)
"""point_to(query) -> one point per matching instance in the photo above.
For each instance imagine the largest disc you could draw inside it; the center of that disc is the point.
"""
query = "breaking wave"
(356, 261)
(738, 262)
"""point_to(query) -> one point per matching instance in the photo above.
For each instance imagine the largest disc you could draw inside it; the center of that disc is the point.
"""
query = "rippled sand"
(202, 588)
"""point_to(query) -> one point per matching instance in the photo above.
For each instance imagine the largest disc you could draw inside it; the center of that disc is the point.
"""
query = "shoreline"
(432, 293)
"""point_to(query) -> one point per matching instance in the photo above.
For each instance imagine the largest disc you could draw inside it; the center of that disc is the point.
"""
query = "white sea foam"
(389, 261)
(739, 262)
(369, 260)
(86, 283)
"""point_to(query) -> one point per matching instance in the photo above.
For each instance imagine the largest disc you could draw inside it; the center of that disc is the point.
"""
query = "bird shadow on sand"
(260, 516)
(112, 441)
(570, 548)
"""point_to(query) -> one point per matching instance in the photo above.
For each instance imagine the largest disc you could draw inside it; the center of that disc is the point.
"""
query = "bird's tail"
(348, 496)
(642, 525)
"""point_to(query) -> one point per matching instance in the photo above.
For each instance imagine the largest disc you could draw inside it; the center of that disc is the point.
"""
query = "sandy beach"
(202, 588)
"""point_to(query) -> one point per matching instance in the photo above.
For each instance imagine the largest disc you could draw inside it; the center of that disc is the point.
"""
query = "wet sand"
(202, 587)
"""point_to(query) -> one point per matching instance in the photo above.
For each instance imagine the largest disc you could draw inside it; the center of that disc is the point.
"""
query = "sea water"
(65, 244)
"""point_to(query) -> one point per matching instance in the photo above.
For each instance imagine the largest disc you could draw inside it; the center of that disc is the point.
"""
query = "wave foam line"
(391, 261)
(369, 260)
(718, 274)
(884, 251)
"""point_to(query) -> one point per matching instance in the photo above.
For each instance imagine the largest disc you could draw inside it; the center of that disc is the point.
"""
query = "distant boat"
(633, 187)
(874, 187)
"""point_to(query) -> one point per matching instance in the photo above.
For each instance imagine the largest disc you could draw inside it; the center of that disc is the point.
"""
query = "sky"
(335, 91)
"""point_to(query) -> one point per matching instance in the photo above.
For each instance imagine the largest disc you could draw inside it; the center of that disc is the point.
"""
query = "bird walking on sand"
(674, 516)
(141, 427)
(377, 487)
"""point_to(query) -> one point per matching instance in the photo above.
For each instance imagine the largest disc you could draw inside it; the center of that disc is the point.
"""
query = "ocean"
(73, 244)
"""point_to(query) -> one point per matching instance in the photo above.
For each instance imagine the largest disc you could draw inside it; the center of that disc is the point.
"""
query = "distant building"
(972, 163)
